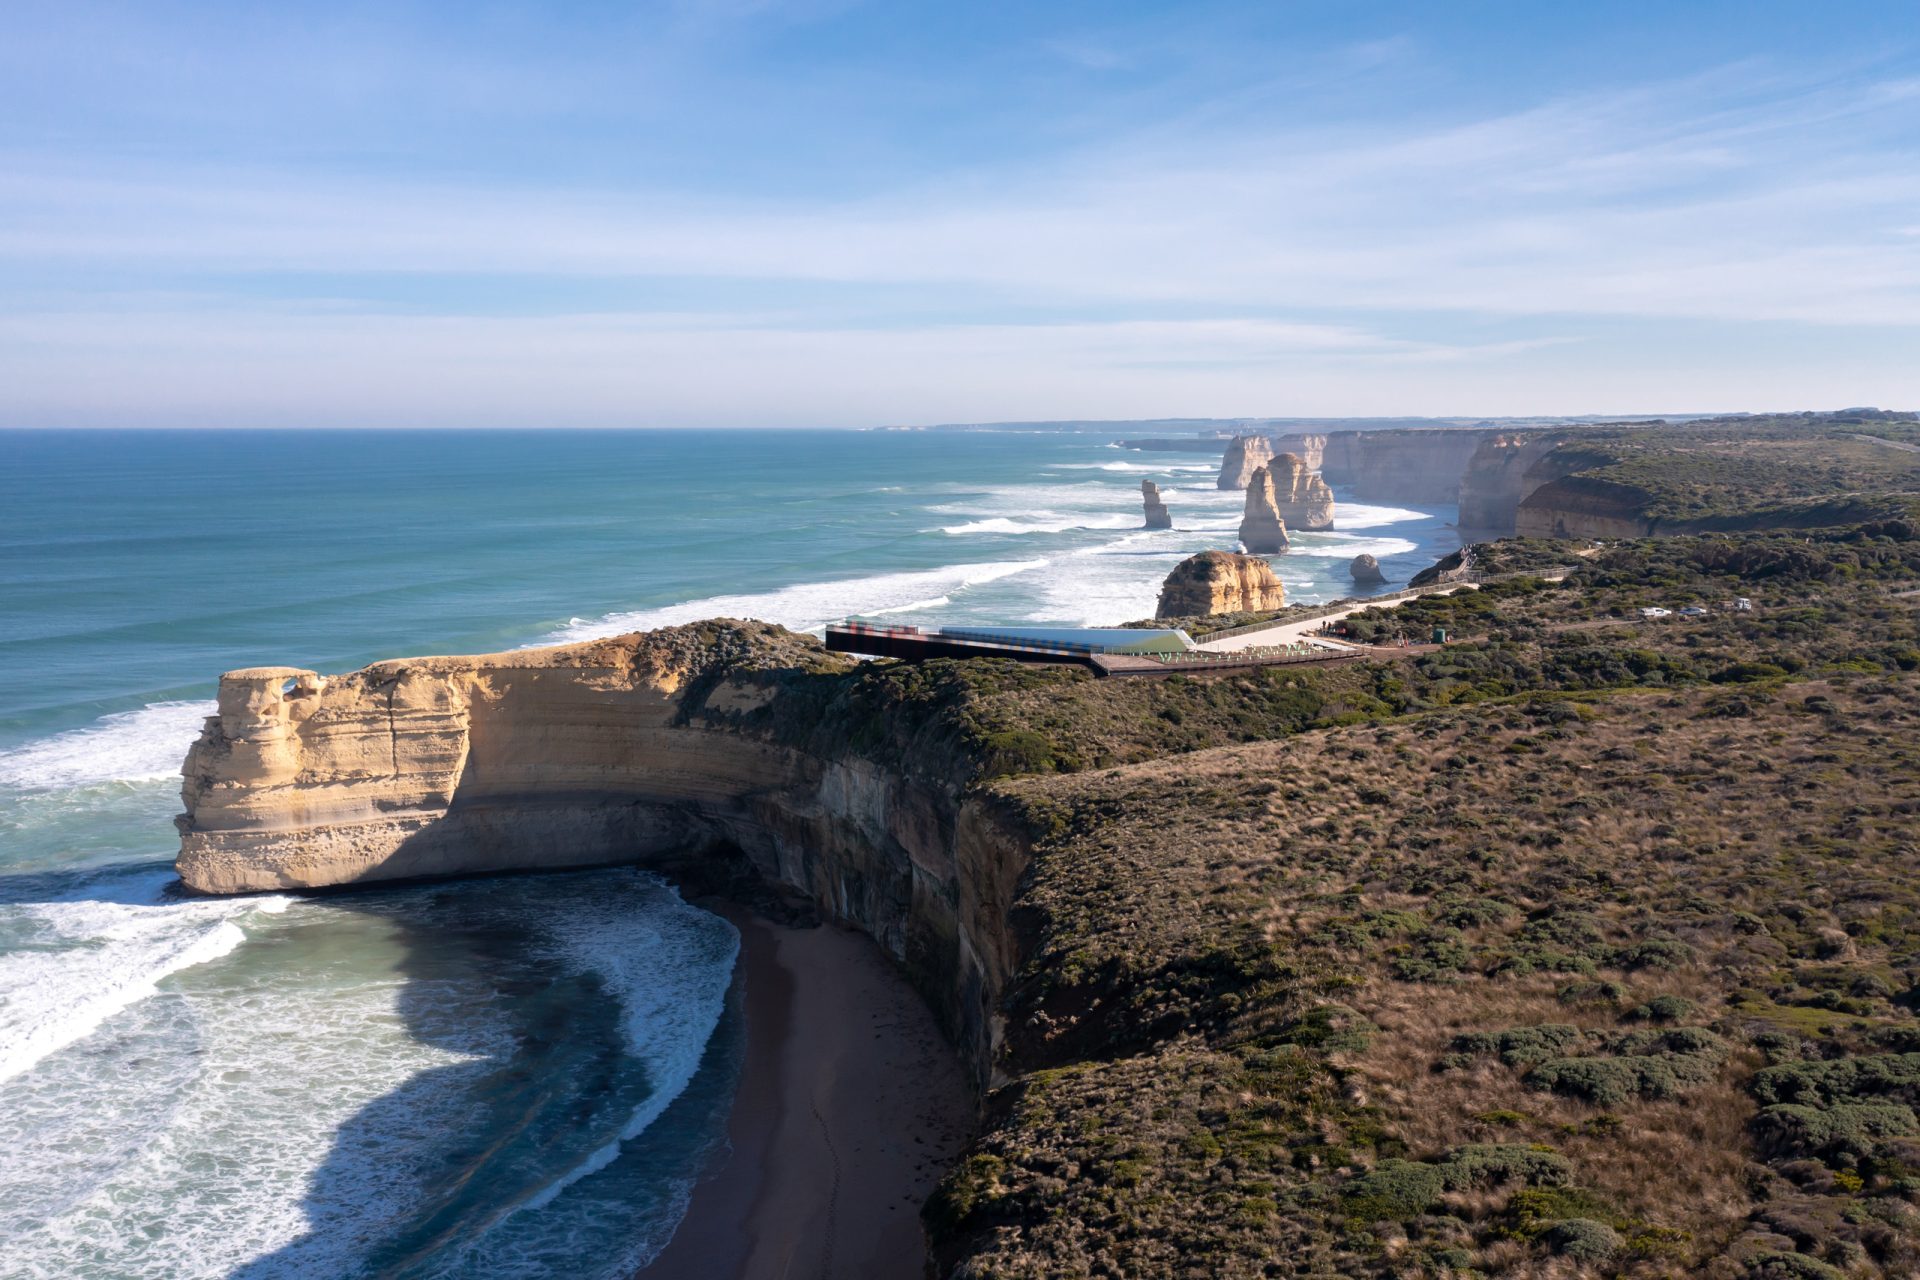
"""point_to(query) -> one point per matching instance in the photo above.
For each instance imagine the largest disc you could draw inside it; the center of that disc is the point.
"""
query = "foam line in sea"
(133, 938)
(128, 746)
(806, 606)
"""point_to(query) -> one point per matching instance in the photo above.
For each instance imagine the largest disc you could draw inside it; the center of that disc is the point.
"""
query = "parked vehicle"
(1655, 611)
(1693, 611)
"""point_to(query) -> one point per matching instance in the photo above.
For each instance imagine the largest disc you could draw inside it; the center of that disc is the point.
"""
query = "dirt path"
(1306, 630)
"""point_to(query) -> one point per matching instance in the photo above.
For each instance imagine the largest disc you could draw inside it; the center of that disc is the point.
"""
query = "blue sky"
(755, 212)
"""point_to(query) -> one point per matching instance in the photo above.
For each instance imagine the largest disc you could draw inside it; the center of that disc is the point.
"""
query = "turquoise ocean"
(505, 1077)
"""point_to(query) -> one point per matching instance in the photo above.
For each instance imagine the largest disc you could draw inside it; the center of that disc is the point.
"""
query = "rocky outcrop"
(1219, 582)
(1303, 498)
(1457, 567)
(1366, 571)
(661, 749)
(1262, 531)
(1244, 456)
(1158, 517)
(1309, 447)
(1504, 471)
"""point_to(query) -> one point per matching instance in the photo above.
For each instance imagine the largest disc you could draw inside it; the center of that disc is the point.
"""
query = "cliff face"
(640, 749)
(1577, 506)
(1219, 582)
(1304, 500)
(1244, 456)
(1504, 469)
(1262, 531)
(1309, 447)
(1390, 466)
(1158, 517)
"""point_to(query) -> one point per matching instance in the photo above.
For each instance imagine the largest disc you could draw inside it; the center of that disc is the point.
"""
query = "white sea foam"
(1357, 515)
(914, 606)
(670, 969)
(1138, 468)
(1346, 546)
(129, 746)
(807, 606)
(101, 955)
(1042, 522)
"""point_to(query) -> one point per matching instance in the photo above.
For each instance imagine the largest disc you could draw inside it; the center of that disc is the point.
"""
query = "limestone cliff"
(1158, 517)
(1262, 531)
(1245, 455)
(1303, 498)
(1390, 466)
(1365, 570)
(1219, 582)
(1309, 447)
(1505, 469)
(1579, 506)
(659, 749)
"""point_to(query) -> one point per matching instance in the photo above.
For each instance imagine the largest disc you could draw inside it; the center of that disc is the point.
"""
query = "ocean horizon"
(493, 1077)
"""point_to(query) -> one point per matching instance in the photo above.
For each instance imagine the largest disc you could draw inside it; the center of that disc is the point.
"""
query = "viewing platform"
(1105, 651)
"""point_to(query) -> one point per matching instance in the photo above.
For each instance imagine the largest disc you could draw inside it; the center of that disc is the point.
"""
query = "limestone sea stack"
(1304, 499)
(1262, 531)
(1366, 571)
(1219, 582)
(1245, 455)
(1158, 517)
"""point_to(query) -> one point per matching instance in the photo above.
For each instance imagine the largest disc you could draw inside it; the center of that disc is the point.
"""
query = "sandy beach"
(850, 1106)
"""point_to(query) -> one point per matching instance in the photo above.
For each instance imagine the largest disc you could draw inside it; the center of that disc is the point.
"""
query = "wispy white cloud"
(1735, 196)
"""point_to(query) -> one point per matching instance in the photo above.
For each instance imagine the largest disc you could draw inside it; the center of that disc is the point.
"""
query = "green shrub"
(1582, 1239)
(1664, 1009)
(1395, 1190)
(1790, 1266)
(1521, 1046)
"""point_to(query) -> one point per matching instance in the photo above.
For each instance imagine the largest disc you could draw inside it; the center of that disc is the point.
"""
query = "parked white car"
(1655, 611)
(1693, 611)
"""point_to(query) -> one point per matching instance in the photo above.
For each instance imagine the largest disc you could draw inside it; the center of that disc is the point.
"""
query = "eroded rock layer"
(1262, 531)
(1304, 500)
(659, 749)
(1244, 456)
(1219, 582)
(1158, 517)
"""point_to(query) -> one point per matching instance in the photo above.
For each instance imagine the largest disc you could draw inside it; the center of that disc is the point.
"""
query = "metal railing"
(1367, 602)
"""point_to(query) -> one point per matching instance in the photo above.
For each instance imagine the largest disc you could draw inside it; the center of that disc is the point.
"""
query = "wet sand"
(850, 1106)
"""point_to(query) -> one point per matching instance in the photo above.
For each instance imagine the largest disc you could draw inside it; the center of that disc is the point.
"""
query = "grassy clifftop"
(1588, 946)
(1795, 470)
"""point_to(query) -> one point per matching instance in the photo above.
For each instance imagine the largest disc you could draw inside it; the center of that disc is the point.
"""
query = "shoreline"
(849, 1107)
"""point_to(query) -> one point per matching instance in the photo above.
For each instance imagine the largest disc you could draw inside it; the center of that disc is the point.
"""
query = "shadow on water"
(454, 1173)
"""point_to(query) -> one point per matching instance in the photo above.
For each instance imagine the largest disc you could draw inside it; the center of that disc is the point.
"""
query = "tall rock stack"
(1262, 530)
(1245, 455)
(1305, 500)
(1219, 582)
(1158, 517)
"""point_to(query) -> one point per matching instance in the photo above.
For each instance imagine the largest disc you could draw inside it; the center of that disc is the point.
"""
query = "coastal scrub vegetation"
(1586, 945)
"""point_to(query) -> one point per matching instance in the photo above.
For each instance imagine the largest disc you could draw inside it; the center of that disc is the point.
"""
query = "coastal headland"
(1582, 944)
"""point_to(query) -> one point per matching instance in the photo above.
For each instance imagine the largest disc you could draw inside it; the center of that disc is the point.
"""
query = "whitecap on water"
(806, 606)
(128, 746)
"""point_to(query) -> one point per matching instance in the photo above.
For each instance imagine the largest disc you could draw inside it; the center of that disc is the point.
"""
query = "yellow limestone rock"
(1219, 582)
(1304, 500)
(1245, 454)
(1158, 517)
